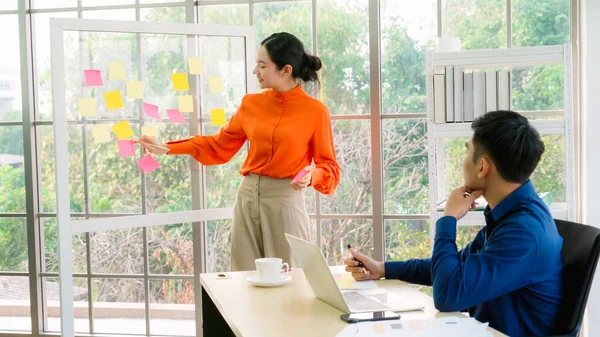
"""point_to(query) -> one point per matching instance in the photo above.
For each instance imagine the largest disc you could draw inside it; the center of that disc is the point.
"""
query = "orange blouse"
(286, 130)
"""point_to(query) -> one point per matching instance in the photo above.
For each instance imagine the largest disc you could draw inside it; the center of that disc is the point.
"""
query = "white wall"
(590, 52)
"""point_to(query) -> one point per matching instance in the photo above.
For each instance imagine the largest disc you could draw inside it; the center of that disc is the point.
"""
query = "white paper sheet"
(439, 327)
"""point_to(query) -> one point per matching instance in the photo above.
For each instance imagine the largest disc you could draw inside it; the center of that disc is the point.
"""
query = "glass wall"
(141, 281)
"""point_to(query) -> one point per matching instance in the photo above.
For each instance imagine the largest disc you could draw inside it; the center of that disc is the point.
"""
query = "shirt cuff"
(446, 228)
(317, 176)
(179, 146)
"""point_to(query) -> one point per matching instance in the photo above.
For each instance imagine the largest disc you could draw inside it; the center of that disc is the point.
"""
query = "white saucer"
(257, 282)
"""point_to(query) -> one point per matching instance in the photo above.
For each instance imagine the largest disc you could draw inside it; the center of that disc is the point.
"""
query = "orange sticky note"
(186, 103)
(116, 71)
(215, 84)
(134, 90)
(101, 133)
(113, 100)
(86, 106)
(150, 130)
(378, 328)
(180, 81)
(217, 117)
(195, 65)
(123, 130)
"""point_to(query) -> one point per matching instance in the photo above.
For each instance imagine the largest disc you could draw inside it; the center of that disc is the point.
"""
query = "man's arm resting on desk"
(504, 265)
(416, 271)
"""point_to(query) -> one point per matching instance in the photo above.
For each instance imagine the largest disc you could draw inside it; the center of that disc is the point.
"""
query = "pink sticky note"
(126, 148)
(148, 164)
(175, 116)
(93, 78)
(299, 176)
(151, 110)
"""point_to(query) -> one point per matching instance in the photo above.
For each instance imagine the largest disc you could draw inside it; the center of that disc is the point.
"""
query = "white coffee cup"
(269, 269)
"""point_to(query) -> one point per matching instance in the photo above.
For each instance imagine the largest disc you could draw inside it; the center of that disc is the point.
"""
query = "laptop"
(323, 284)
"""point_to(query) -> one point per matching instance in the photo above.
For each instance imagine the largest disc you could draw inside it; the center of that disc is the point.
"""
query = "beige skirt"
(265, 209)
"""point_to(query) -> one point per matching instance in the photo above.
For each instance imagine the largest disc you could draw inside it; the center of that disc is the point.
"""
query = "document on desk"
(439, 327)
(345, 281)
(391, 300)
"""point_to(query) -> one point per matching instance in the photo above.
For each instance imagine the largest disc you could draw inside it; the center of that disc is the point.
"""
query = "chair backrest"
(581, 248)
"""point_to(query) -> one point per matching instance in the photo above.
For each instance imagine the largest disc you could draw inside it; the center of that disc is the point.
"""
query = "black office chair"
(581, 248)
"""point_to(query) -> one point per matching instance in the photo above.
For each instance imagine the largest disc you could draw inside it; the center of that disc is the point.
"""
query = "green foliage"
(480, 24)
(540, 23)
(12, 189)
(403, 66)
(13, 240)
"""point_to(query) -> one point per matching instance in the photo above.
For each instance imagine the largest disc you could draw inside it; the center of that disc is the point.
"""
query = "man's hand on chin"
(460, 201)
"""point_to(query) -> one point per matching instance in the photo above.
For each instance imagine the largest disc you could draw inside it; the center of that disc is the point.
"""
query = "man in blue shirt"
(510, 275)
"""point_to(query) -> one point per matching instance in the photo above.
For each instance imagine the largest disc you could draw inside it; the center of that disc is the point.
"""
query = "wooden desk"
(233, 307)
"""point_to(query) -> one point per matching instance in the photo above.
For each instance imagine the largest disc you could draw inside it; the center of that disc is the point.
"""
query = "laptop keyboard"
(359, 302)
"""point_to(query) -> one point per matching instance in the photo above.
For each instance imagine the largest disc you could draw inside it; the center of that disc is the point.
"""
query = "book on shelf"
(491, 92)
(478, 94)
(469, 113)
(439, 99)
(458, 94)
(449, 94)
(503, 90)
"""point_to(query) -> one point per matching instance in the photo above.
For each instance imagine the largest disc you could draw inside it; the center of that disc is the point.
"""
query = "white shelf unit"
(499, 58)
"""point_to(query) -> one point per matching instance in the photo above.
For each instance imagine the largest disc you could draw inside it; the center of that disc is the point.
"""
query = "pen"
(155, 146)
(359, 263)
(307, 174)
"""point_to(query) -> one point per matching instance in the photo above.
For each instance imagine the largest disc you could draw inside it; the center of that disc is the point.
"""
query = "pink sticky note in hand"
(126, 148)
(299, 176)
(175, 116)
(151, 110)
(93, 78)
(148, 164)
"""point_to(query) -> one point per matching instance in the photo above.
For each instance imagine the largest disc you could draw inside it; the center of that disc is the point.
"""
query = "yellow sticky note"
(217, 117)
(123, 130)
(344, 281)
(86, 106)
(113, 100)
(215, 83)
(134, 90)
(150, 130)
(116, 71)
(186, 103)
(180, 82)
(101, 133)
(195, 65)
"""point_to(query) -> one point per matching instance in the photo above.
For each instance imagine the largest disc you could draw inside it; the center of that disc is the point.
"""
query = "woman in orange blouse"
(287, 130)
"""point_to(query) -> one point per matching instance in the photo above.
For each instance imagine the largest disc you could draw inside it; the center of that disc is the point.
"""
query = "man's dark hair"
(510, 141)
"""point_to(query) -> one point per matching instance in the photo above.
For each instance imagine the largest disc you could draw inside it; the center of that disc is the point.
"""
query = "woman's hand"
(304, 182)
(152, 145)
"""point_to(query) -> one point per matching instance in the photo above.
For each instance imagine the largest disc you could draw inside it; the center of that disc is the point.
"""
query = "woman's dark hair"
(285, 48)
